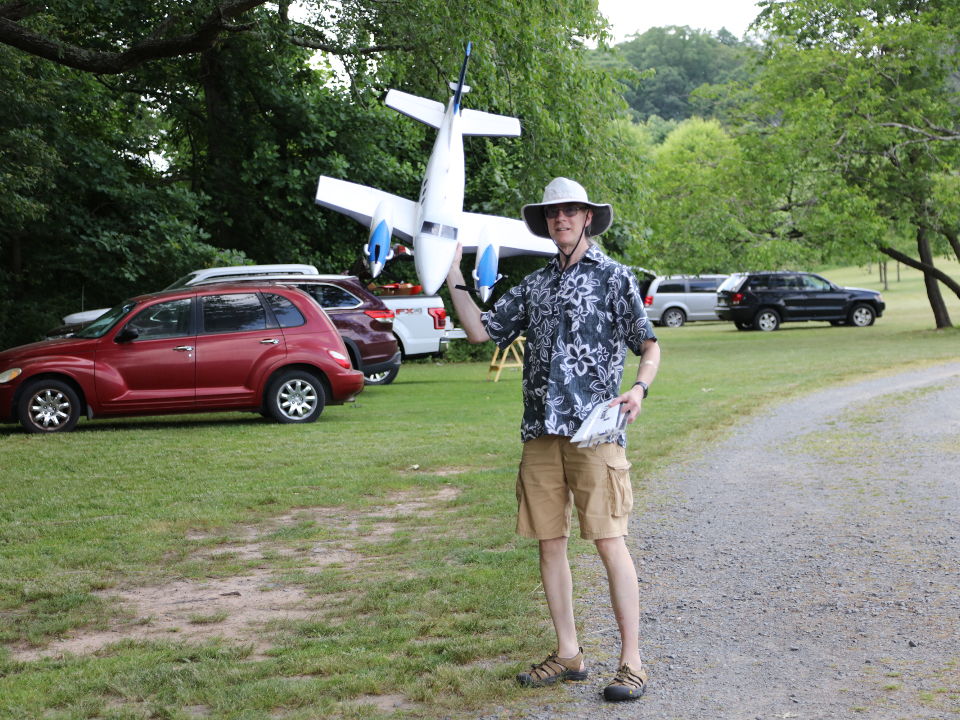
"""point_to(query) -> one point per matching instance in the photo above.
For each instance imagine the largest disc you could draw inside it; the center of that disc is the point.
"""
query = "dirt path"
(806, 567)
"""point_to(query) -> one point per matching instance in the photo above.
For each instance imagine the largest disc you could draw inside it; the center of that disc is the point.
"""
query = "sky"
(630, 16)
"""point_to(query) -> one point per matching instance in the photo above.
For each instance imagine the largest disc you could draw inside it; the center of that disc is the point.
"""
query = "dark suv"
(763, 300)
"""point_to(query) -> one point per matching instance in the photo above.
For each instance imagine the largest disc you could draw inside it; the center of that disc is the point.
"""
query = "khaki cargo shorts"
(555, 475)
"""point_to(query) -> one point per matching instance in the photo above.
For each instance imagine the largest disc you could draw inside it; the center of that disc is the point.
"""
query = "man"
(580, 314)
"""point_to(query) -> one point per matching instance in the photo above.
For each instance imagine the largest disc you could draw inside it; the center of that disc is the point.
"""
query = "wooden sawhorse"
(512, 356)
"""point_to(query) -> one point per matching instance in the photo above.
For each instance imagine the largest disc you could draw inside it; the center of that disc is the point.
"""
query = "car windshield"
(101, 326)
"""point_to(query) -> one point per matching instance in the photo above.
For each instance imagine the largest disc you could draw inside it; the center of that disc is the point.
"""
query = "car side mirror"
(126, 335)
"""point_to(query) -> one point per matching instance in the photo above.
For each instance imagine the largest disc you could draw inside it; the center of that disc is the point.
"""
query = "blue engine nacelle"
(485, 273)
(377, 251)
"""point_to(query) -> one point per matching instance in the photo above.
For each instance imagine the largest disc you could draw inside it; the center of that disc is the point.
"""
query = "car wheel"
(381, 378)
(295, 396)
(767, 320)
(673, 317)
(743, 325)
(47, 406)
(862, 315)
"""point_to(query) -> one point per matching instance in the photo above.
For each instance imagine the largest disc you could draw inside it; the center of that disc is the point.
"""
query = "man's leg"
(624, 596)
(558, 587)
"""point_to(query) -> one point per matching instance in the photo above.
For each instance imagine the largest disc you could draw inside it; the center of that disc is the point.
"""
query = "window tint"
(673, 286)
(812, 282)
(766, 282)
(233, 313)
(704, 285)
(445, 231)
(285, 311)
(163, 320)
(332, 296)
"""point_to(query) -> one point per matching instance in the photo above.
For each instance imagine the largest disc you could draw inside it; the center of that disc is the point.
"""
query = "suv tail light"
(340, 359)
(439, 316)
(648, 300)
(384, 316)
(736, 298)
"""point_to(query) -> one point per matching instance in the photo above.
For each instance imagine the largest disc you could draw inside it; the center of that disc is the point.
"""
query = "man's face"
(566, 222)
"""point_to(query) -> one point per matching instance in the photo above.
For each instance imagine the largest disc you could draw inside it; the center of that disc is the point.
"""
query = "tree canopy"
(162, 136)
(672, 62)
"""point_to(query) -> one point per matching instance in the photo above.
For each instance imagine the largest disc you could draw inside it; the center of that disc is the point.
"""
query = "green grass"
(389, 521)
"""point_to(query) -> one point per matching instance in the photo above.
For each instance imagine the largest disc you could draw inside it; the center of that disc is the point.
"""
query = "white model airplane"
(436, 222)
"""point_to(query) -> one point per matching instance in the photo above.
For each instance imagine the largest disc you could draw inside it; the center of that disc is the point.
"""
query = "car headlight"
(8, 375)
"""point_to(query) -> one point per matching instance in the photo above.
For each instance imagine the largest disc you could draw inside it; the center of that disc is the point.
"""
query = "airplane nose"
(433, 257)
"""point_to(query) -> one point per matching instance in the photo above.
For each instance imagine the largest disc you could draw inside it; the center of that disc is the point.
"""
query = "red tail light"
(439, 316)
(648, 300)
(384, 316)
(736, 298)
(340, 359)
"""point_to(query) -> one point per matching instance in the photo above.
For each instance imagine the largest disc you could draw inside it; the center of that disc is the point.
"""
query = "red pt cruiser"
(266, 348)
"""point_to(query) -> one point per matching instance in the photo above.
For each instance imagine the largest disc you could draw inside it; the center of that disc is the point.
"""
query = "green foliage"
(124, 184)
(867, 91)
(675, 61)
(87, 198)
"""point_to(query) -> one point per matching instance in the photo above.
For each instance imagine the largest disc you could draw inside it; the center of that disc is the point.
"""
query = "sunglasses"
(553, 211)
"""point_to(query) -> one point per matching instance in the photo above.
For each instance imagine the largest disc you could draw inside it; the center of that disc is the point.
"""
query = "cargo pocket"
(620, 492)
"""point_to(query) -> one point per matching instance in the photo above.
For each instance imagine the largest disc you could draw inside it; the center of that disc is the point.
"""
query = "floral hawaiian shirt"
(578, 326)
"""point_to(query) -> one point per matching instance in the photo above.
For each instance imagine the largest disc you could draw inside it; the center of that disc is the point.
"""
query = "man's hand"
(631, 402)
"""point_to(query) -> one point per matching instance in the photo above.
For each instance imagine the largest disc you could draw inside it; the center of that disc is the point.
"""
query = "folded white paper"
(603, 424)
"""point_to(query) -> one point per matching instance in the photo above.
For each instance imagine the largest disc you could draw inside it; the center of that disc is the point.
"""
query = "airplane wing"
(510, 235)
(361, 202)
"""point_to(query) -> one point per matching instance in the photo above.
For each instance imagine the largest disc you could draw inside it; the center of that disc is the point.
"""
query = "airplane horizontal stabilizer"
(477, 122)
(427, 111)
(512, 236)
(361, 202)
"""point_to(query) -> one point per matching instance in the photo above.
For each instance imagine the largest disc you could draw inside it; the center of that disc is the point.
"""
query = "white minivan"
(672, 300)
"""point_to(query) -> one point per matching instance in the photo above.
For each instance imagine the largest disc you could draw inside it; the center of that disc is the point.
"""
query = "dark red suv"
(362, 318)
(266, 348)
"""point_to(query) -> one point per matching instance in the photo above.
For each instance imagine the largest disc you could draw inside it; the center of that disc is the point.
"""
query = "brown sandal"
(629, 684)
(552, 670)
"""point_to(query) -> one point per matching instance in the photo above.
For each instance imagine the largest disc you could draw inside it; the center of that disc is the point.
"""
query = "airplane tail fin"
(473, 122)
(459, 90)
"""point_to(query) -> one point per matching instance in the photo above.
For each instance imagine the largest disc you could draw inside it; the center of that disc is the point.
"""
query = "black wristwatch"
(646, 388)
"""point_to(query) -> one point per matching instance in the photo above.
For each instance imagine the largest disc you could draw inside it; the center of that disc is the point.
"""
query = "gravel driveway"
(808, 566)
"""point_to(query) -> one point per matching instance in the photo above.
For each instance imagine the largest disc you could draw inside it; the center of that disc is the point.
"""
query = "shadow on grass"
(179, 422)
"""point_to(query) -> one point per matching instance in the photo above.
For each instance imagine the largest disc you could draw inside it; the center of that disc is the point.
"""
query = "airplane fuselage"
(440, 204)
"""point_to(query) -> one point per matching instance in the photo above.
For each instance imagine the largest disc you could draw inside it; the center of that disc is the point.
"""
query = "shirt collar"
(592, 255)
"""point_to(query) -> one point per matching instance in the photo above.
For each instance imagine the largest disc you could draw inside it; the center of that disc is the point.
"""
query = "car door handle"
(271, 341)
(184, 348)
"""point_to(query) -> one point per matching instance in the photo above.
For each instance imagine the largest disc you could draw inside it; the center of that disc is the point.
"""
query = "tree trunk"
(939, 307)
(220, 168)
(922, 267)
(951, 236)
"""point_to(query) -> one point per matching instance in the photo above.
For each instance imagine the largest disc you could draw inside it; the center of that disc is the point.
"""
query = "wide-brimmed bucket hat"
(562, 191)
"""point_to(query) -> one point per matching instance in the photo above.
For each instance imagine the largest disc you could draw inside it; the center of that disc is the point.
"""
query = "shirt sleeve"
(631, 316)
(508, 319)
